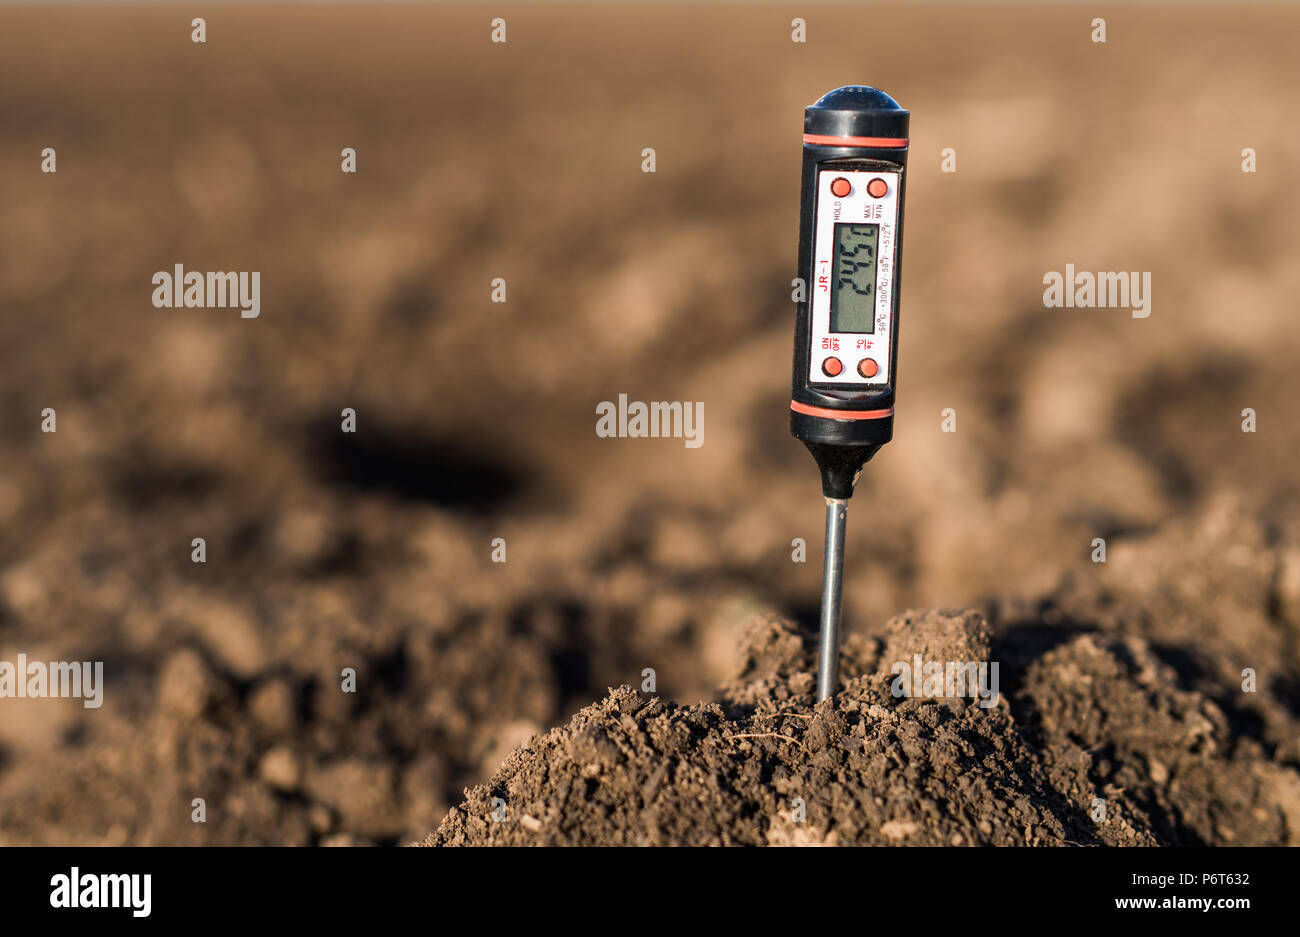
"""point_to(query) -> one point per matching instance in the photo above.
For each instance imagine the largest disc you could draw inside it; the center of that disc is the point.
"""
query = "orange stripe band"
(804, 408)
(823, 140)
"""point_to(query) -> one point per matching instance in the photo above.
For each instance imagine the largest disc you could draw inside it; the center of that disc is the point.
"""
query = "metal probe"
(828, 668)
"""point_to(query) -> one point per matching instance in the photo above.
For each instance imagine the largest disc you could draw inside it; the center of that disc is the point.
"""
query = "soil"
(1097, 720)
(372, 552)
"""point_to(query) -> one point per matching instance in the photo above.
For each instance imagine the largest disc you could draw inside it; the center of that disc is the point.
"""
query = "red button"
(877, 188)
(831, 367)
(841, 187)
(867, 367)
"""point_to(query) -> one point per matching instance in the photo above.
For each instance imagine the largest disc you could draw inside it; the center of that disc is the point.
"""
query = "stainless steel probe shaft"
(837, 511)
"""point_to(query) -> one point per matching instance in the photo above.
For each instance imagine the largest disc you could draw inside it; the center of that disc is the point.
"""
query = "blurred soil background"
(476, 419)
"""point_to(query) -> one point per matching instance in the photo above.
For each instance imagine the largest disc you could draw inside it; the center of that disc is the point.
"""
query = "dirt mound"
(1096, 722)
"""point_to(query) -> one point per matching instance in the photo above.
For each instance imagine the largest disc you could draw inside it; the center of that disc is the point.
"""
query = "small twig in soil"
(767, 735)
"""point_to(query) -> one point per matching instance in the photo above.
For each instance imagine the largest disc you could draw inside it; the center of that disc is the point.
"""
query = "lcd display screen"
(853, 297)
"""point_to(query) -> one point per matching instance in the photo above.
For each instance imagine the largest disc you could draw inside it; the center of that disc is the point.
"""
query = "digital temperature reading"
(854, 220)
(853, 301)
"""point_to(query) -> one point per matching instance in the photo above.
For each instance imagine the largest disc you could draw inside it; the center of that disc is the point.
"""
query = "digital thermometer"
(846, 328)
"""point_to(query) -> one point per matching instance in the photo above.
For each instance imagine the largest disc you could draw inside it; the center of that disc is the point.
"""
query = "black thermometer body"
(850, 246)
